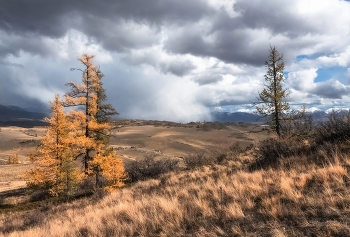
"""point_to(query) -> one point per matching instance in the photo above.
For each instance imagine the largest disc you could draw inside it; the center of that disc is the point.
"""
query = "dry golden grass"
(215, 200)
(303, 190)
(11, 176)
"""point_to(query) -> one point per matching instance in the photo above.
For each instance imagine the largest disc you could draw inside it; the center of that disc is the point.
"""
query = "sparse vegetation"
(194, 160)
(13, 159)
(320, 143)
(296, 184)
(214, 200)
(270, 189)
(335, 129)
(150, 167)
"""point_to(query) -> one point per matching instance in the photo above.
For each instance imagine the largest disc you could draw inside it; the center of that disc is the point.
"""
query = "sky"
(176, 60)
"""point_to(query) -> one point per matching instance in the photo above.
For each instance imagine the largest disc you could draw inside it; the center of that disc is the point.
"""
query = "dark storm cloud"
(181, 38)
(36, 17)
(231, 47)
(118, 35)
(243, 39)
(177, 68)
(14, 44)
(210, 78)
(8, 95)
(102, 20)
(4, 63)
(331, 89)
(277, 16)
(105, 22)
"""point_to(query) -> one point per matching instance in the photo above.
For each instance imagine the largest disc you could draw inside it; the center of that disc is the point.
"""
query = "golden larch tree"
(85, 95)
(94, 125)
(53, 162)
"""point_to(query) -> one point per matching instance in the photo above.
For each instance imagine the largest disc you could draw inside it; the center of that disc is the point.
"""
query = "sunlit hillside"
(300, 189)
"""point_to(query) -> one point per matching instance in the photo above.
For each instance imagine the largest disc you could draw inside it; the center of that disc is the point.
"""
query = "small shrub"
(336, 129)
(194, 160)
(149, 167)
(271, 150)
(13, 159)
(39, 195)
(236, 150)
(221, 157)
(32, 156)
(87, 184)
(274, 153)
(300, 125)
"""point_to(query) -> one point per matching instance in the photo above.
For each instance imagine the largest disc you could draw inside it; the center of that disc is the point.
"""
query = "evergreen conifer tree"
(271, 102)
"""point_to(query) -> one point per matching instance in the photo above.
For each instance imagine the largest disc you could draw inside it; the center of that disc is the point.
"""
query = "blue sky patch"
(311, 56)
(338, 73)
(300, 57)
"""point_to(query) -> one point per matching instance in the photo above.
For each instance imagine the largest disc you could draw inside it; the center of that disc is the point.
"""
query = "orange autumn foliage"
(53, 164)
(91, 131)
(78, 135)
(110, 167)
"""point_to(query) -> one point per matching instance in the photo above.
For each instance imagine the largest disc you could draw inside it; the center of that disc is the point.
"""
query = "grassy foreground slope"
(297, 197)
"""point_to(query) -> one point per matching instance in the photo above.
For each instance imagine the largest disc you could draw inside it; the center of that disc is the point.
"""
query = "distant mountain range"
(237, 117)
(224, 117)
(16, 116)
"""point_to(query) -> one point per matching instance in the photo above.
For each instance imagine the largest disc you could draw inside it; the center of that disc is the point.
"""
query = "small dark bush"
(221, 157)
(236, 150)
(277, 148)
(87, 184)
(270, 151)
(194, 160)
(149, 167)
(336, 129)
(300, 125)
(273, 153)
(39, 195)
